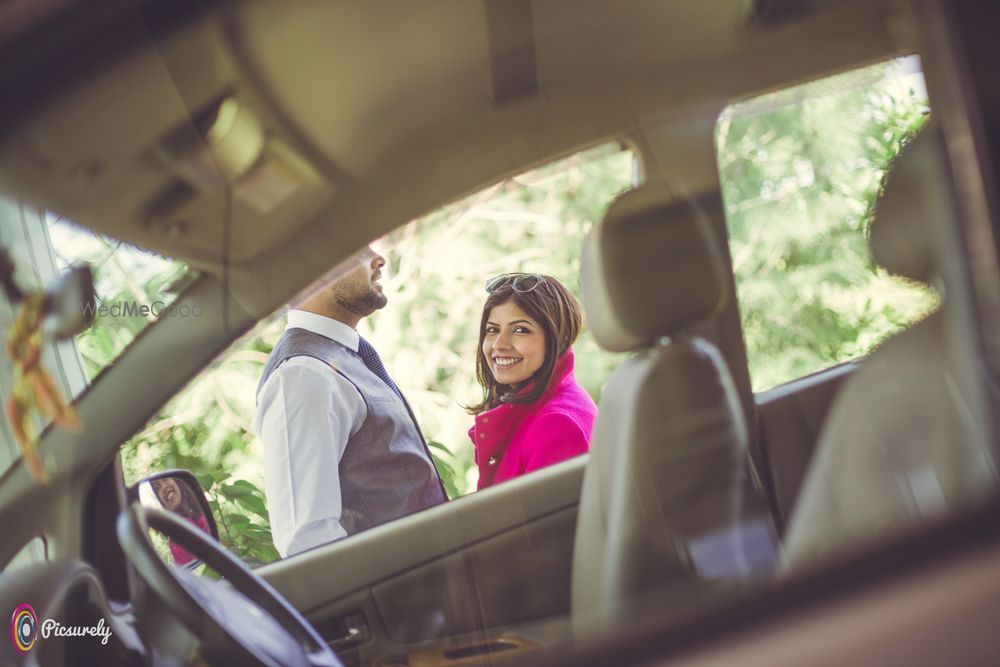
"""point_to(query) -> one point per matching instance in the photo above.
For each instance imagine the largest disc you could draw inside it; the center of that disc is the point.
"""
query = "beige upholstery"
(901, 238)
(651, 270)
(907, 438)
(662, 490)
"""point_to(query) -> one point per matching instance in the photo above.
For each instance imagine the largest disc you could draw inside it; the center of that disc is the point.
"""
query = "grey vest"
(386, 471)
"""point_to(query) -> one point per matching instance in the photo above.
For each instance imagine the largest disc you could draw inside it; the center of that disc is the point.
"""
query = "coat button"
(492, 461)
(486, 420)
(482, 435)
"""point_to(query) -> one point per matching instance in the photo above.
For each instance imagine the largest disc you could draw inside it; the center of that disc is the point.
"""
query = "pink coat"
(514, 438)
(181, 555)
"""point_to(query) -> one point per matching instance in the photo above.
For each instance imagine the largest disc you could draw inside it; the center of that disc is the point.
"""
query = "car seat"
(663, 504)
(907, 439)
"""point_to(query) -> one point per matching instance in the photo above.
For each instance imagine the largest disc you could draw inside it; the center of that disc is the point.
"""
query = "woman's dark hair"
(560, 316)
(190, 504)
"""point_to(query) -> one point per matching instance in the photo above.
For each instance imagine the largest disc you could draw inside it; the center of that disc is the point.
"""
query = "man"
(342, 450)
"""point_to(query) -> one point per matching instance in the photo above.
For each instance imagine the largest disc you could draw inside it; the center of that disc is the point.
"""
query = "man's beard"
(362, 305)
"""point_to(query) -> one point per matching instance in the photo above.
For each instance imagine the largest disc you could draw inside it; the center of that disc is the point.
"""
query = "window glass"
(800, 171)
(426, 336)
(134, 288)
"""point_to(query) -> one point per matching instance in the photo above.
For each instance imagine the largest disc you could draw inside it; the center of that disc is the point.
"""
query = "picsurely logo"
(54, 628)
(24, 629)
(157, 309)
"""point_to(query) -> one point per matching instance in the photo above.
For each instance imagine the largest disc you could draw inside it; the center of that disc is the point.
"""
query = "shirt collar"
(333, 329)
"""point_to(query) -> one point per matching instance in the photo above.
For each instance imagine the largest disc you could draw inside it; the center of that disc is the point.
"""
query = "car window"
(426, 336)
(135, 287)
(24, 234)
(800, 170)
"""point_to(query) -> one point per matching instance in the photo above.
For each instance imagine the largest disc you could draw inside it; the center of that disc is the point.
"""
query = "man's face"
(360, 292)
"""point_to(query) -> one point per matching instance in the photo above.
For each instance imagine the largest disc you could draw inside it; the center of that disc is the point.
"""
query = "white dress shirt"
(306, 412)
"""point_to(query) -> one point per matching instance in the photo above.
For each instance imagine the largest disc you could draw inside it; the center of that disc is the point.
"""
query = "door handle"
(348, 630)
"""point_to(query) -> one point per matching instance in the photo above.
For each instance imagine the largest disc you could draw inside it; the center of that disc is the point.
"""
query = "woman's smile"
(506, 361)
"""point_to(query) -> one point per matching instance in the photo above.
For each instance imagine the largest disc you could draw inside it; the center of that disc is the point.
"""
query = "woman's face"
(168, 492)
(514, 344)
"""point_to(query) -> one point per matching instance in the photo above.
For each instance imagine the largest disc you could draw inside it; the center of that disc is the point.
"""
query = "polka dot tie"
(374, 364)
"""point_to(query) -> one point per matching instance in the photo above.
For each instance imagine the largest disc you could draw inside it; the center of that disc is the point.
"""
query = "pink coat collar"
(492, 430)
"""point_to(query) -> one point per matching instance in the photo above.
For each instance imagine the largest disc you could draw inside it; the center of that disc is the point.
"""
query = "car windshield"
(135, 287)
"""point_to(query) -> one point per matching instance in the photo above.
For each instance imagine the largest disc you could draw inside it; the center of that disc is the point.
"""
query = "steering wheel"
(244, 623)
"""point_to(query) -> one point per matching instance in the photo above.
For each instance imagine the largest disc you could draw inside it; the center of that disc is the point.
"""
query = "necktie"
(374, 364)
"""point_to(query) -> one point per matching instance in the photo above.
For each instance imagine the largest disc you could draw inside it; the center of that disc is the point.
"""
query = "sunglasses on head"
(521, 283)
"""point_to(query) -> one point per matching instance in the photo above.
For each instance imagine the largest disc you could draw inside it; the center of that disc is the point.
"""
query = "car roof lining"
(373, 136)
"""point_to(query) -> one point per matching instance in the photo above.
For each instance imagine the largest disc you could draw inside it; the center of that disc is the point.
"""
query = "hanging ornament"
(60, 313)
(33, 390)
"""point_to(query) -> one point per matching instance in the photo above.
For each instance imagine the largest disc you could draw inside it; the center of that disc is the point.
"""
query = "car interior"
(844, 517)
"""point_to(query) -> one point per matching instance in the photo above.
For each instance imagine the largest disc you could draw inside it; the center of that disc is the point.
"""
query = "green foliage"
(241, 513)
(206, 429)
(800, 172)
(122, 273)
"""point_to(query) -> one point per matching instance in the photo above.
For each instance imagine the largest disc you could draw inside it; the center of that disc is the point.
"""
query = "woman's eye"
(522, 330)
(491, 330)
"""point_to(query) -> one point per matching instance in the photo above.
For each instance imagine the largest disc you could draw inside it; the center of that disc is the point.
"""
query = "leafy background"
(800, 171)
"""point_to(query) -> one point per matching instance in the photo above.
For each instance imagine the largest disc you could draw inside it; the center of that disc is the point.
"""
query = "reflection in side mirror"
(177, 491)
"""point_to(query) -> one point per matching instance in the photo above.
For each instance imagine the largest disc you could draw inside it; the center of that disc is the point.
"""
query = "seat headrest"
(650, 269)
(917, 186)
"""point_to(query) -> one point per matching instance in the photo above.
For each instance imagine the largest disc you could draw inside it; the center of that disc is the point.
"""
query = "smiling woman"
(514, 345)
(534, 413)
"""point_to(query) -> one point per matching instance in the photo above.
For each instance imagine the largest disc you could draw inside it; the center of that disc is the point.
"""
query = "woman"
(533, 413)
(177, 497)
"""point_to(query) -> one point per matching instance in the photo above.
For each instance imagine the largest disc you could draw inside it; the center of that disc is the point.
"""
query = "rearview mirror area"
(70, 301)
(179, 492)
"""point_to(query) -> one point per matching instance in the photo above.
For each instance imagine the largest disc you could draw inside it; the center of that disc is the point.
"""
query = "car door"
(487, 573)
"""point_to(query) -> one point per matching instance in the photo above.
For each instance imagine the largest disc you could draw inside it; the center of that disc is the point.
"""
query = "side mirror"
(176, 491)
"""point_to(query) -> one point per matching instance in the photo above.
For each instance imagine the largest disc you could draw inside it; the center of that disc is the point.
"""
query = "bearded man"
(342, 449)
